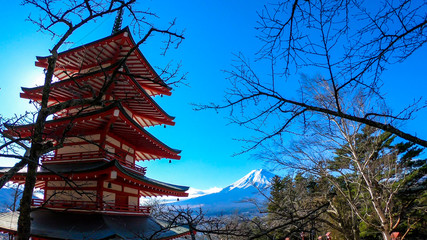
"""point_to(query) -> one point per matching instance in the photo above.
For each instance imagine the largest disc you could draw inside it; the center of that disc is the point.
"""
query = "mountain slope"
(10, 196)
(235, 197)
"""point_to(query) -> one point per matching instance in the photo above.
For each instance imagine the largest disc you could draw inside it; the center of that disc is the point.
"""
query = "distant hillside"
(9, 196)
(234, 198)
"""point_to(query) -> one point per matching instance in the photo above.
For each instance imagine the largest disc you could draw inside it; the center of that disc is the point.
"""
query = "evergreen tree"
(366, 188)
(295, 206)
(382, 182)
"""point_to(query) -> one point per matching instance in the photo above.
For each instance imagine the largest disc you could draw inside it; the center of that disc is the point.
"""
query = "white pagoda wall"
(113, 145)
(112, 142)
(77, 145)
(111, 190)
(60, 190)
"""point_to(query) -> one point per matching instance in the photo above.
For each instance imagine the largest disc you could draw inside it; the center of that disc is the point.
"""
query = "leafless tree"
(344, 45)
(61, 19)
(361, 168)
(234, 226)
(179, 216)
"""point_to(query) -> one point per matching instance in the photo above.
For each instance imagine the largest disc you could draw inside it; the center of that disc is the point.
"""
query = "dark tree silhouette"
(346, 44)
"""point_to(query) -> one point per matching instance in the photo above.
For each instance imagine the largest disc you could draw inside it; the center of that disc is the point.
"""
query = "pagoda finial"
(118, 22)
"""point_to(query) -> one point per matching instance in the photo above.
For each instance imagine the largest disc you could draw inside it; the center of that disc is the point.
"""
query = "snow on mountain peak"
(260, 178)
(235, 196)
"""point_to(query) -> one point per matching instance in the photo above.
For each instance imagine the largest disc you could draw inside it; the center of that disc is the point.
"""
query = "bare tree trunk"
(24, 221)
(193, 236)
(36, 150)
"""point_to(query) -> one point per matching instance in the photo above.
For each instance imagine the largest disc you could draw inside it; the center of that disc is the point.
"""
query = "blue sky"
(214, 30)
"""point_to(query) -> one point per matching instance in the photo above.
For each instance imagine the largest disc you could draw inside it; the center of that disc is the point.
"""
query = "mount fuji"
(215, 201)
(235, 197)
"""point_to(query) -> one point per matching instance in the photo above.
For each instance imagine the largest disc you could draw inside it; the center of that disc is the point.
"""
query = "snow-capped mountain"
(233, 198)
(236, 197)
(260, 179)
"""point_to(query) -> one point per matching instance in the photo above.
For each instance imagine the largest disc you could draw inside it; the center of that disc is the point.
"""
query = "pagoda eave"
(127, 89)
(106, 50)
(123, 126)
(91, 171)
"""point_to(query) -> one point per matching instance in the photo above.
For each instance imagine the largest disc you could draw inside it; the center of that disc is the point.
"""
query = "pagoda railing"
(79, 156)
(89, 205)
(133, 166)
(91, 156)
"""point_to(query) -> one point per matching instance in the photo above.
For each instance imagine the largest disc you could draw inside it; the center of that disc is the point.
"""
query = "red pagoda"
(93, 185)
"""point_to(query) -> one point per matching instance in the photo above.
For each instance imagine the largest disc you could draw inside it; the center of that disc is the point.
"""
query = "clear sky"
(214, 30)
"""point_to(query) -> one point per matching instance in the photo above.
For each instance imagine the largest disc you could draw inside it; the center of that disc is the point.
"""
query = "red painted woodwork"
(91, 157)
(125, 89)
(124, 127)
(146, 188)
(117, 125)
(122, 200)
(104, 52)
(87, 205)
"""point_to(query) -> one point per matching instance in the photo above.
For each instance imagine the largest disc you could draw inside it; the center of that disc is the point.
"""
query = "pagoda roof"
(74, 225)
(166, 188)
(148, 187)
(105, 52)
(125, 89)
(112, 118)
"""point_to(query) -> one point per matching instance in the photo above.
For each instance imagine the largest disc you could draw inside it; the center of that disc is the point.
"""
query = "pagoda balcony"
(90, 157)
(92, 206)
